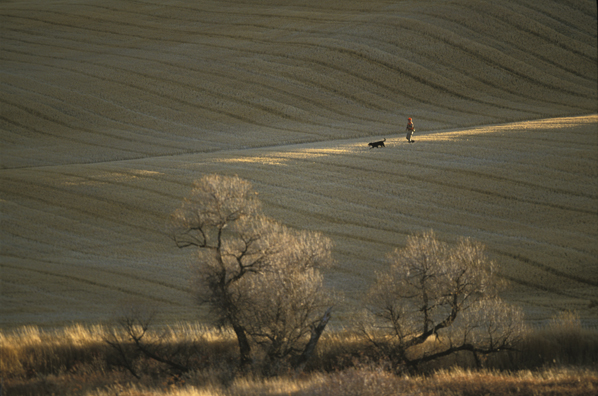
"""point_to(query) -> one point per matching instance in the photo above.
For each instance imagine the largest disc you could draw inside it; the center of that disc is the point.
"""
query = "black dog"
(379, 143)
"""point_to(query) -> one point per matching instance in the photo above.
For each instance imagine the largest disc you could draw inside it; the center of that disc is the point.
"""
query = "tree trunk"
(244, 348)
(316, 332)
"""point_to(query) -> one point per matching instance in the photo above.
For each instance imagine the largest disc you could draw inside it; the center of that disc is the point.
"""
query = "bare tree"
(288, 301)
(436, 292)
(133, 338)
(257, 276)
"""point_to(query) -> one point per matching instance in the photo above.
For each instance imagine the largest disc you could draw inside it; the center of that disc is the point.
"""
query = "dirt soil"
(110, 109)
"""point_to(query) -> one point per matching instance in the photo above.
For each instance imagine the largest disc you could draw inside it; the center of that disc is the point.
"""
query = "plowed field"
(110, 109)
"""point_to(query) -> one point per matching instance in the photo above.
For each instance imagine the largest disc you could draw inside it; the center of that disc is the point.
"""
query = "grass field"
(110, 109)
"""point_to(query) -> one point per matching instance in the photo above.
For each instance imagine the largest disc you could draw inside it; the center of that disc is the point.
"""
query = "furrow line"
(31, 244)
(515, 44)
(215, 93)
(394, 89)
(248, 11)
(84, 203)
(117, 34)
(512, 18)
(330, 88)
(229, 13)
(57, 136)
(573, 25)
(79, 244)
(64, 217)
(495, 57)
(518, 95)
(141, 138)
(130, 186)
(121, 274)
(249, 14)
(481, 175)
(91, 112)
(547, 268)
(163, 96)
(587, 7)
(409, 217)
(108, 20)
(343, 202)
(329, 219)
(414, 76)
(226, 75)
(420, 80)
(535, 286)
(494, 194)
(149, 296)
(345, 235)
(228, 113)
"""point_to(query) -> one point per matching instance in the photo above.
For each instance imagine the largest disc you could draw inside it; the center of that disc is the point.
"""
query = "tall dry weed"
(368, 381)
(30, 350)
(574, 382)
(563, 341)
(76, 360)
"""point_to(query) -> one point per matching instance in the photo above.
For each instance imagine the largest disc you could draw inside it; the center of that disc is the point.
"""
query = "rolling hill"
(110, 109)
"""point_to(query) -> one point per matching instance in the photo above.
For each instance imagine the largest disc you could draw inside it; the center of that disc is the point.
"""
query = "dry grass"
(368, 382)
(76, 360)
(564, 341)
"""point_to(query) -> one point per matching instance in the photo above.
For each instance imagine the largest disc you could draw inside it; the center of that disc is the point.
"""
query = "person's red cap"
(409, 119)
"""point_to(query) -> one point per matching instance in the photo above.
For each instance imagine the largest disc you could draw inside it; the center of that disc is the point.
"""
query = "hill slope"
(89, 81)
(109, 110)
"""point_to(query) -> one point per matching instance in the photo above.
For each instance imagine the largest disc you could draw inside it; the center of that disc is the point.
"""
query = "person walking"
(410, 130)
